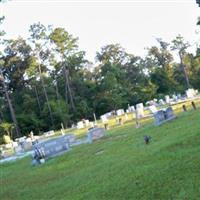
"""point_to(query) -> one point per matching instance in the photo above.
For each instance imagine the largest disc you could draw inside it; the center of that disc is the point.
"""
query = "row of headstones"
(83, 124)
(165, 115)
(51, 148)
(25, 144)
(139, 108)
(45, 150)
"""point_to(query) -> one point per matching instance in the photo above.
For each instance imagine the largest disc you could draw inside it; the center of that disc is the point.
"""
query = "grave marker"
(95, 133)
(163, 116)
(49, 149)
(193, 105)
(184, 108)
(153, 109)
(167, 99)
(140, 110)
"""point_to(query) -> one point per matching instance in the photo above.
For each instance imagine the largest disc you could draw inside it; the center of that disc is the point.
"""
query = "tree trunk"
(1, 116)
(12, 111)
(37, 97)
(184, 72)
(66, 73)
(66, 92)
(46, 97)
(58, 97)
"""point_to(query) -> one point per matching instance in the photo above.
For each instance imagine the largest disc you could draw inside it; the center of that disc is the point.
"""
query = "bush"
(6, 139)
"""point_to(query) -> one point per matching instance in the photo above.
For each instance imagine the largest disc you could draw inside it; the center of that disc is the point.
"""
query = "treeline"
(46, 80)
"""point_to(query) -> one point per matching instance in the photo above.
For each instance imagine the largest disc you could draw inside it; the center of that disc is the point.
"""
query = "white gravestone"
(153, 109)
(140, 110)
(190, 93)
(87, 122)
(104, 118)
(80, 125)
(120, 112)
(167, 99)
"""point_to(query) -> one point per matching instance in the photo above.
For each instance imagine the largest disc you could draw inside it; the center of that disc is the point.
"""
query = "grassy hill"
(120, 166)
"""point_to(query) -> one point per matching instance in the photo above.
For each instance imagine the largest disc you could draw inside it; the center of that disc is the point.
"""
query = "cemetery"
(35, 145)
(99, 100)
(66, 150)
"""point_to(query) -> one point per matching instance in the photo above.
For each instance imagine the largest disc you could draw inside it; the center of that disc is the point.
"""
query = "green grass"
(120, 166)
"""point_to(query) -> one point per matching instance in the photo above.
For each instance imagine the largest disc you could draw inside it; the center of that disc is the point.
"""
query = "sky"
(134, 24)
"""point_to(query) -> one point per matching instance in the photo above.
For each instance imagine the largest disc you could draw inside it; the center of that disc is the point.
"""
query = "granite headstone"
(95, 133)
(50, 148)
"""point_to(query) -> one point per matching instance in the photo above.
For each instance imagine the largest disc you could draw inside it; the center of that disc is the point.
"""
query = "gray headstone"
(159, 117)
(95, 133)
(169, 114)
(71, 138)
(50, 148)
(18, 149)
(163, 116)
(27, 146)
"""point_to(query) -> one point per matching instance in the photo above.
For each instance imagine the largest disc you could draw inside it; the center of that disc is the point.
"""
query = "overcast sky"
(134, 24)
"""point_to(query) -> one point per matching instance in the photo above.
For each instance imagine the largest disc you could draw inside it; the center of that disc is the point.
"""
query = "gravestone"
(49, 133)
(169, 114)
(193, 105)
(49, 149)
(71, 138)
(27, 146)
(163, 116)
(80, 125)
(95, 134)
(167, 99)
(190, 93)
(174, 97)
(184, 108)
(140, 110)
(153, 109)
(137, 124)
(14, 144)
(120, 112)
(159, 117)
(132, 108)
(18, 149)
(104, 118)
(179, 96)
(161, 102)
(86, 122)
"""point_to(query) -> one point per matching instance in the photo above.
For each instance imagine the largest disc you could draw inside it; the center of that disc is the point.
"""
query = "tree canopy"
(46, 80)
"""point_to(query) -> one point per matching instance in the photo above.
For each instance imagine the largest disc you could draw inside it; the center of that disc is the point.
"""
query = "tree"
(70, 61)
(7, 128)
(161, 67)
(180, 45)
(39, 39)
(5, 89)
(12, 111)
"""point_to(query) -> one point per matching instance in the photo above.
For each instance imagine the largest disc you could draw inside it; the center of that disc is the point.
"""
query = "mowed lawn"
(120, 166)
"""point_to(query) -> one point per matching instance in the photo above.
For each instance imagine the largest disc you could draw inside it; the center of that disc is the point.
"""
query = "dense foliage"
(45, 80)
